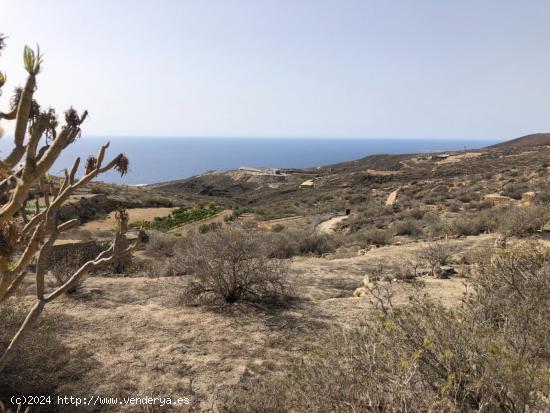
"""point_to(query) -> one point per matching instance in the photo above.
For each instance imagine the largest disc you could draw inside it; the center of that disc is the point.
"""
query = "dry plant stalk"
(38, 142)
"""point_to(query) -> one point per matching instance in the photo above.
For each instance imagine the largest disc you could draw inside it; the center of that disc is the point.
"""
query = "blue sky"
(289, 68)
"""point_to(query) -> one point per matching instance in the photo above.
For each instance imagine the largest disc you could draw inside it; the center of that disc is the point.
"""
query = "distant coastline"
(154, 160)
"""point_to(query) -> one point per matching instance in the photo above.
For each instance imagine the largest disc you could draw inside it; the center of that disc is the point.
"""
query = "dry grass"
(138, 339)
(136, 214)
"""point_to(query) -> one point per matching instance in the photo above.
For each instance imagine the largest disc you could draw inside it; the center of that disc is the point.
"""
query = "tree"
(38, 142)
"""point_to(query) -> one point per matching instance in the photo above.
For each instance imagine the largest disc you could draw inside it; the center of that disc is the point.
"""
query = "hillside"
(334, 238)
(331, 189)
(535, 139)
(353, 184)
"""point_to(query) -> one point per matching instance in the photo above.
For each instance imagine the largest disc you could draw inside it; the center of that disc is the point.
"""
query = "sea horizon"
(162, 159)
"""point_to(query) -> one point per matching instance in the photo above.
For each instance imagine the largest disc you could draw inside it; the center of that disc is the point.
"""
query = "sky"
(289, 68)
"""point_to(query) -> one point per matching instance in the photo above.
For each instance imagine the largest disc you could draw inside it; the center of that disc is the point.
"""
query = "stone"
(444, 271)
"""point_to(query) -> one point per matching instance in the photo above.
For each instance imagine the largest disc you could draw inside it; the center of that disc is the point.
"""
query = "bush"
(281, 245)
(277, 228)
(230, 266)
(373, 236)
(316, 244)
(179, 217)
(454, 206)
(491, 353)
(213, 226)
(523, 221)
(42, 361)
(515, 191)
(437, 253)
(417, 213)
(406, 228)
(63, 269)
(468, 226)
(543, 196)
(161, 242)
(157, 201)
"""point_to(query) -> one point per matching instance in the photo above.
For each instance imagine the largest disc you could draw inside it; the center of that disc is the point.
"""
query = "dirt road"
(330, 225)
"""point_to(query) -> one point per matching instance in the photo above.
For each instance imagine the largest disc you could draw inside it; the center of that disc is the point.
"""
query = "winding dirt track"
(329, 226)
(392, 197)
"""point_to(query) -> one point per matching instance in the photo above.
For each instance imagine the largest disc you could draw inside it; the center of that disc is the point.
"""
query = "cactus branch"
(38, 233)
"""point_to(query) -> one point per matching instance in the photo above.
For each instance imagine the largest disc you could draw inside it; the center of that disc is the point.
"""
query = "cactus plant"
(38, 142)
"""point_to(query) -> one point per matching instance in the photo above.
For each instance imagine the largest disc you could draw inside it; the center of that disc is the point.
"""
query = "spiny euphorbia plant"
(37, 143)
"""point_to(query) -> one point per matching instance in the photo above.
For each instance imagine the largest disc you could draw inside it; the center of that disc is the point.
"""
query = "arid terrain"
(336, 232)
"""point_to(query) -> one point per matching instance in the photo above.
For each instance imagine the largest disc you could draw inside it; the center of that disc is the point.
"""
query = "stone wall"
(75, 252)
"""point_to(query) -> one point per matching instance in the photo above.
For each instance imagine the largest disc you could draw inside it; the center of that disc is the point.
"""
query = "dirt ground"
(193, 226)
(459, 158)
(330, 225)
(139, 339)
(392, 197)
(136, 214)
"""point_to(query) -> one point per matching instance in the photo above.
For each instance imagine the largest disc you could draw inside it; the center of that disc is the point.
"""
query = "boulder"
(444, 271)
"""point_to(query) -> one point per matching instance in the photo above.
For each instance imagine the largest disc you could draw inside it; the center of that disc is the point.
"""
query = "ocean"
(154, 160)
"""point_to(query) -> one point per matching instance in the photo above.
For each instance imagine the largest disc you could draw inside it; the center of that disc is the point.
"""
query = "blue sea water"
(155, 160)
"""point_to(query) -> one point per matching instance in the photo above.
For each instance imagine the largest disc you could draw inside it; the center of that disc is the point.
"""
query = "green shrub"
(179, 217)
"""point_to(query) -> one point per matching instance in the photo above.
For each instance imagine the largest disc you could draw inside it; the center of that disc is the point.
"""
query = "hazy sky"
(297, 68)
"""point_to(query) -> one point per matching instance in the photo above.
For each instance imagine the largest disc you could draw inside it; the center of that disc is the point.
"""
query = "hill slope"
(535, 139)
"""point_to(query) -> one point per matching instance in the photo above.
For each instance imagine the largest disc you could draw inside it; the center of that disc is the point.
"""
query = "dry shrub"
(543, 196)
(489, 354)
(515, 191)
(281, 244)
(417, 213)
(391, 270)
(231, 266)
(41, 362)
(317, 244)
(288, 243)
(437, 253)
(372, 237)
(62, 270)
(406, 228)
(277, 228)
(159, 268)
(20, 409)
(161, 242)
(213, 226)
(524, 220)
(9, 234)
(511, 220)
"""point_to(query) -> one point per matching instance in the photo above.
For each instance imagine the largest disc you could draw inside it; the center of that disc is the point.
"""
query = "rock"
(444, 271)
(360, 292)
(500, 241)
